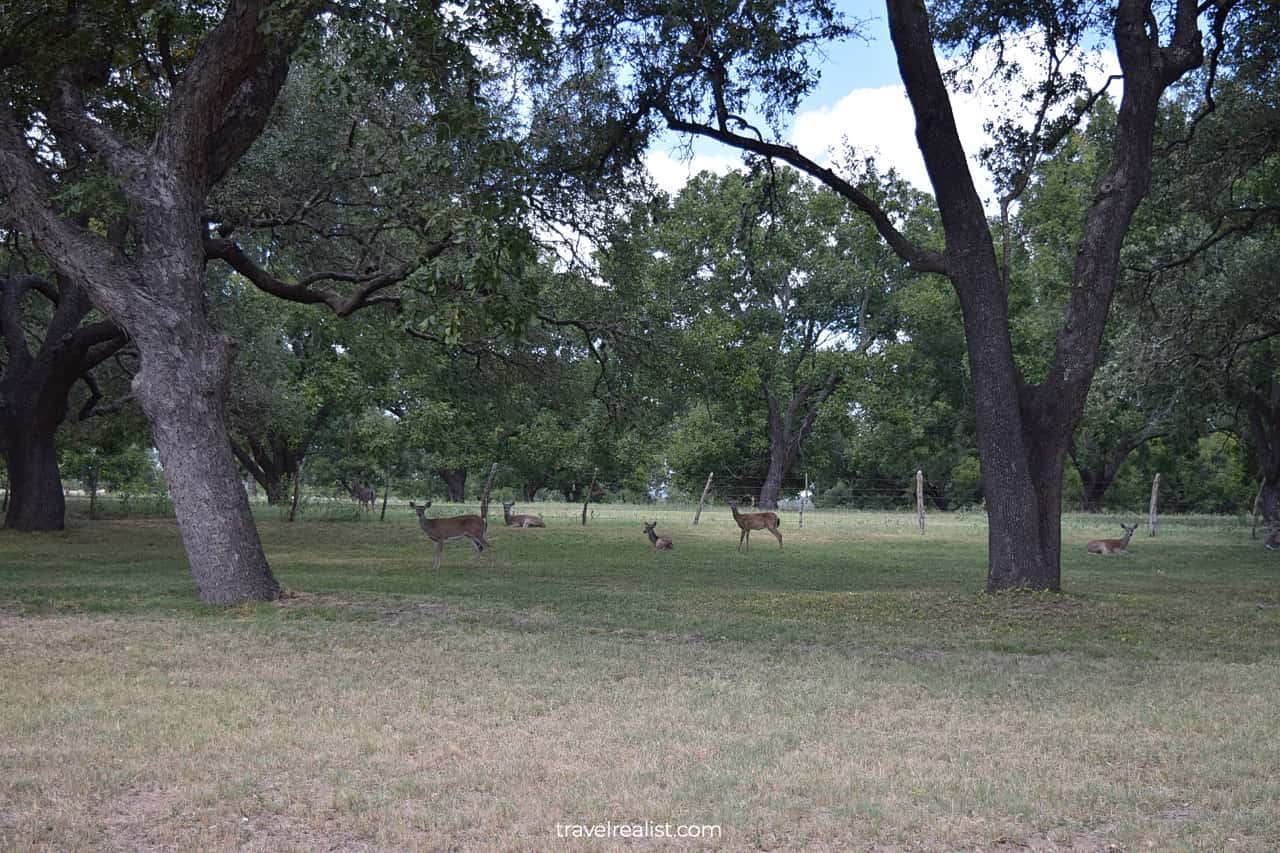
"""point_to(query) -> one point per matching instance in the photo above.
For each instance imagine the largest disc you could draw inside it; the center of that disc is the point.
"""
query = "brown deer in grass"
(514, 520)
(1113, 546)
(364, 494)
(660, 543)
(441, 530)
(754, 521)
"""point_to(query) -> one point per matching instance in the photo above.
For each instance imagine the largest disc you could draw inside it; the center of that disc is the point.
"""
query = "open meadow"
(854, 690)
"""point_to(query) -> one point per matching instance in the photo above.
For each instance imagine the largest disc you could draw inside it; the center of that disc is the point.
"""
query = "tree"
(779, 290)
(698, 71)
(164, 102)
(36, 384)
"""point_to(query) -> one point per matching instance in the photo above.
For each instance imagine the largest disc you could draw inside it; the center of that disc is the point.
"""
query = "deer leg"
(439, 548)
(741, 536)
(776, 534)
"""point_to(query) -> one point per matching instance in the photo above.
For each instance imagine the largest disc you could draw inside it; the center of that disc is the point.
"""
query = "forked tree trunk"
(789, 428)
(183, 388)
(1024, 431)
(455, 483)
(1094, 484)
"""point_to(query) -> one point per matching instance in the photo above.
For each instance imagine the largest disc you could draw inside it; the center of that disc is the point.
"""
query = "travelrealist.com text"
(647, 829)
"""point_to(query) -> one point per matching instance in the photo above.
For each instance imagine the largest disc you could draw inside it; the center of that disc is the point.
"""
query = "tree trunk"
(1024, 431)
(789, 429)
(182, 385)
(455, 483)
(779, 465)
(37, 501)
(1095, 484)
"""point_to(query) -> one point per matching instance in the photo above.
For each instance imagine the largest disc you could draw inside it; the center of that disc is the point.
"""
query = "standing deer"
(441, 530)
(520, 520)
(364, 494)
(660, 543)
(754, 521)
(1113, 546)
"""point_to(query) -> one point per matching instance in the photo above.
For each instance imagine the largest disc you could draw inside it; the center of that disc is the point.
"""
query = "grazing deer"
(754, 521)
(520, 520)
(1273, 541)
(1113, 546)
(441, 530)
(660, 543)
(364, 494)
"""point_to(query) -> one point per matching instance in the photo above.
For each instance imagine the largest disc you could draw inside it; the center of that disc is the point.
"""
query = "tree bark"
(183, 388)
(455, 483)
(37, 501)
(1263, 411)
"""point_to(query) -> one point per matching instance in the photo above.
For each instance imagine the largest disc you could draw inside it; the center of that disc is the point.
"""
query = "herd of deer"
(473, 527)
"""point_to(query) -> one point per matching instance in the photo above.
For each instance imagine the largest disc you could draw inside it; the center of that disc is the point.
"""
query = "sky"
(860, 99)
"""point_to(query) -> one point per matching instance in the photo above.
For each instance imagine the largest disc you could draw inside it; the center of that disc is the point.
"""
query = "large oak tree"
(165, 104)
(696, 69)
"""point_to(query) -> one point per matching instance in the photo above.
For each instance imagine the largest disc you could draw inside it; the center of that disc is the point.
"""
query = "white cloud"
(878, 121)
(671, 173)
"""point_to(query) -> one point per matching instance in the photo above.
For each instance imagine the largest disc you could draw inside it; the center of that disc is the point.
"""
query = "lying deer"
(441, 530)
(520, 520)
(660, 543)
(754, 521)
(1113, 546)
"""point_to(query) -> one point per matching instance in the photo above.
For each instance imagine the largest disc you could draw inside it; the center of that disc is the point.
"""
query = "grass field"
(854, 690)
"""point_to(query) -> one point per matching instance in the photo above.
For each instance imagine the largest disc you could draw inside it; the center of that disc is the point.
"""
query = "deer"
(521, 521)
(754, 521)
(1113, 546)
(660, 543)
(364, 494)
(441, 530)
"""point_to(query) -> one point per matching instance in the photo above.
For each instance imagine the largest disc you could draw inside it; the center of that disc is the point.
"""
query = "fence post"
(703, 500)
(488, 486)
(804, 496)
(1155, 496)
(586, 503)
(920, 499)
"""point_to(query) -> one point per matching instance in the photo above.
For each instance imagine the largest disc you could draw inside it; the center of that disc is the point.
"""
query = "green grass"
(854, 689)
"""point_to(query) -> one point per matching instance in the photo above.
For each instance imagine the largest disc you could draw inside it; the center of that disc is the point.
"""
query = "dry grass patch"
(417, 730)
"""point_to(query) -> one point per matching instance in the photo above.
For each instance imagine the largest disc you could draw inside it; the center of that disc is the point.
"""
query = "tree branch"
(366, 293)
(919, 260)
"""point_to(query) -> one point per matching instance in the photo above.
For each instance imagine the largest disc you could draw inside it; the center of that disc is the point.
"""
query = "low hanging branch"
(369, 287)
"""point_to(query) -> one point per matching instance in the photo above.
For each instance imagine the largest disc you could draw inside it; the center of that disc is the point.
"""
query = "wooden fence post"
(920, 499)
(1155, 496)
(586, 503)
(488, 486)
(706, 490)
(804, 496)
